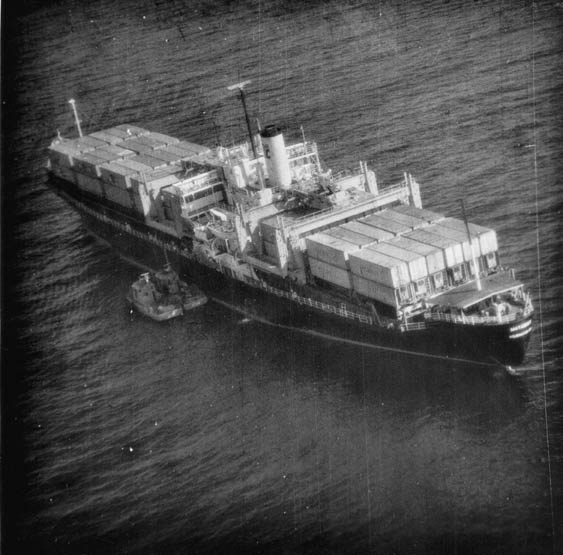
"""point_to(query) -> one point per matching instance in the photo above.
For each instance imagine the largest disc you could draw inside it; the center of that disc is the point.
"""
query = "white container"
(406, 219)
(87, 164)
(415, 262)
(434, 256)
(106, 137)
(374, 290)
(462, 237)
(422, 213)
(118, 195)
(452, 249)
(117, 175)
(332, 250)
(330, 273)
(369, 231)
(486, 237)
(377, 220)
(357, 239)
(379, 267)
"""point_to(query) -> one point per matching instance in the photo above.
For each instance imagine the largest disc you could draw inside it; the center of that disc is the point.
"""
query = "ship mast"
(240, 86)
(72, 102)
(476, 268)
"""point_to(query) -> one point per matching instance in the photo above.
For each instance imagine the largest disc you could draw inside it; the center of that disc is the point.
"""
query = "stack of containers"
(328, 258)
(415, 262)
(460, 235)
(380, 277)
(421, 213)
(452, 249)
(88, 165)
(408, 220)
(358, 239)
(373, 233)
(487, 238)
(268, 228)
(434, 257)
(381, 222)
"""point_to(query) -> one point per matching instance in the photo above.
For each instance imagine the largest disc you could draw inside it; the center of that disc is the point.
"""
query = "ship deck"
(467, 294)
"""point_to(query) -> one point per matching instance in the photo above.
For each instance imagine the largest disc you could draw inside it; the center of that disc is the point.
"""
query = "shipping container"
(376, 291)
(116, 174)
(453, 252)
(330, 273)
(137, 166)
(130, 130)
(271, 249)
(142, 202)
(63, 154)
(379, 267)
(186, 149)
(166, 139)
(487, 237)
(351, 236)
(150, 141)
(89, 184)
(119, 195)
(106, 137)
(135, 146)
(406, 219)
(461, 237)
(87, 143)
(434, 256)
(368, 230)
(415, 262)
(268, 228)
(376, 220)
(332, 250)
(88, 164)
(148, 160)
(114, 150)
(165, 156)
(422, 213)
(120, 133)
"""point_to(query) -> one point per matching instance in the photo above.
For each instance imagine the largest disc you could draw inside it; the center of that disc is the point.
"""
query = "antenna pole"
(240, 87)
(476, 268)
(72, 102)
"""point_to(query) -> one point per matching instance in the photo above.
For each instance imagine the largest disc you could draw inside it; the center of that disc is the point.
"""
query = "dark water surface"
(211, 435)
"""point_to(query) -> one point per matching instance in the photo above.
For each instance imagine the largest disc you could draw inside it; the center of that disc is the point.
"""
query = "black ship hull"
(144, 245)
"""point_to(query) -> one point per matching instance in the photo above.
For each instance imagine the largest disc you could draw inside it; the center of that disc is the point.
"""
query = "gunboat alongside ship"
(262, 228)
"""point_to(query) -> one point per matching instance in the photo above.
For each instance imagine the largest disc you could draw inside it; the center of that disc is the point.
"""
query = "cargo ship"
(263, 228)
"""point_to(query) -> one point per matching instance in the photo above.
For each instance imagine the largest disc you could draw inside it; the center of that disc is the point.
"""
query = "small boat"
(163, 295)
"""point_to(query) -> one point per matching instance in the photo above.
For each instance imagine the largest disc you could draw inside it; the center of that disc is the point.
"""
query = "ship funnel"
(277, 163)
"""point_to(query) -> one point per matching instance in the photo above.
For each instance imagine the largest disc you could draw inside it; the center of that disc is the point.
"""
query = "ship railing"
(481, 320)
(388, 191)
(342, 310)
(414, 326)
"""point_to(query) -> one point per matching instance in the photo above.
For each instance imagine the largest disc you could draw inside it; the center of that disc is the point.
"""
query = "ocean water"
(209, 434)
